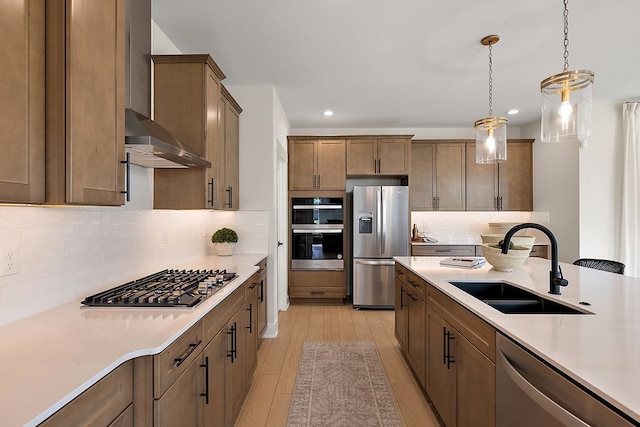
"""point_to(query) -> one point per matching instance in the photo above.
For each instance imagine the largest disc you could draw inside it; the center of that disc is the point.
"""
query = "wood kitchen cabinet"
(379, 155)
(22, 104)
(262, 300)
(412, 295)
(505, 186)
(187, 102)
(317, 163)
(85, 102)
(437, 180)
(109, 402)
(227, 186)
(461, 363)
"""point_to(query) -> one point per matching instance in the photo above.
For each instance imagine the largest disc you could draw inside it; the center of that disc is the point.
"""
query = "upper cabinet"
(437, 180)
(227, 163)
(316, 163)
(379, 155)
(85, 101)
(505, 186)
(189, 102)
(22, 102)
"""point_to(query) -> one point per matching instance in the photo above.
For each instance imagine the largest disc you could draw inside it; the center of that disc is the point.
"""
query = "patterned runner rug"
(341, 384)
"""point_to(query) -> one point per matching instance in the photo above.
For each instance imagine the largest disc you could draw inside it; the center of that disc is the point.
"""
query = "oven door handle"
(312, 207)
(317, 231)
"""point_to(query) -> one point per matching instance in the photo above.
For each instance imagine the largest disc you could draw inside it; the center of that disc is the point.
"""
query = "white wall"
(66, 253)
(601, 167)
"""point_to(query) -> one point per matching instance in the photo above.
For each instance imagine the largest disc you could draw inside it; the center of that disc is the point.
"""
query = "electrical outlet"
(9, 260)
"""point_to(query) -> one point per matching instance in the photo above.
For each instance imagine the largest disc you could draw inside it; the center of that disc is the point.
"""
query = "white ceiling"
(408, 63)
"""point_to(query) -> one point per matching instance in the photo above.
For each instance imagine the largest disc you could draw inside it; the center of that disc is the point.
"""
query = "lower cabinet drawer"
(317, 292)
(443, 250)
(174, 360)
(101, 404)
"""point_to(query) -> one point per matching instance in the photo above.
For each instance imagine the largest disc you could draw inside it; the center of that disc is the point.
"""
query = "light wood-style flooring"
(268, 401)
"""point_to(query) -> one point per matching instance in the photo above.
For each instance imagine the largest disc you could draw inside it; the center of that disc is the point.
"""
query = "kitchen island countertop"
(48, 359)
(600, 351)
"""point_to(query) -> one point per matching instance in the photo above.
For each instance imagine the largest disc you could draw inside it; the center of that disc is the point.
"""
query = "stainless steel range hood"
(148, 144)
(152, 146)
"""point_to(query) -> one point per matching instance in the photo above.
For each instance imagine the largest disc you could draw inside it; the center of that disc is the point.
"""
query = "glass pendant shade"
(491, 140)
(566, 106)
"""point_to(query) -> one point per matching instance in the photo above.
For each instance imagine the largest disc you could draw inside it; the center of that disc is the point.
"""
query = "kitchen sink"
(510, 299)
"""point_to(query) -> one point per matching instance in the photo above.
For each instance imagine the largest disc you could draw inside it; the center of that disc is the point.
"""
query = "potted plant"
(224, 240)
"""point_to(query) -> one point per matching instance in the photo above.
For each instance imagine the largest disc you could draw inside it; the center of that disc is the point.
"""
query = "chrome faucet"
(555, 275)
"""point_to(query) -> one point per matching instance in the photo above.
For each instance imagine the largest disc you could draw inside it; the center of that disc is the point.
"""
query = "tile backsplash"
(466, 227)
(67, 253)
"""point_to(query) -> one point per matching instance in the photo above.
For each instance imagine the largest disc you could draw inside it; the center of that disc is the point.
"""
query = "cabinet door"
(181, 405)
(422, 182)
(362, 156)
(231, 158)
(302, 170)
(235, 375)
(215, 356)
(394, 156)
(250, 335)
(516, 178)
(482, 182)
(22, 104)
(442, 376)
(262, 302)
(450, 176)
(400, 314)
(86, 81)
(416, 336)
(475, 386)
(331, 164)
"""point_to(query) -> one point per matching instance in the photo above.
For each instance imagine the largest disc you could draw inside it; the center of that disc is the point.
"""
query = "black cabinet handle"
(127, 162)
(250, 327)
(450, 337)
(229, 191)
(206, 380)
(402, 304)
(210, 201)
(180, 360)
(253, 285)
(444, 345)
(411, 296)
(232, 332)
(262, 291)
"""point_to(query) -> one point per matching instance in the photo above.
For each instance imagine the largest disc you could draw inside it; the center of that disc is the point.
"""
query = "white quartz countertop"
(48, 359)
(599, 350)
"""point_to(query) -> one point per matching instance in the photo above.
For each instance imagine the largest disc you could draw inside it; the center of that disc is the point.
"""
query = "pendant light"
(566, 100)
(491, 132)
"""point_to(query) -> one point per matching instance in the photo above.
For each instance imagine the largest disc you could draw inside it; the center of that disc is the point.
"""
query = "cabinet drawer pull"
(450, 338)
(229, 191)
(412, 283)
(253, 285)
(411, 296)
(180, 360)
(317, 292)
(261, 291)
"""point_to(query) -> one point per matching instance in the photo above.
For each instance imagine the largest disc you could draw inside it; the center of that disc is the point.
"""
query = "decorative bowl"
(494, 239)
(505, 262)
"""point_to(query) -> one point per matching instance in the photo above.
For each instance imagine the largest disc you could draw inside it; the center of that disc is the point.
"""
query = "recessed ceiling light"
(512, 112)
(328, 113)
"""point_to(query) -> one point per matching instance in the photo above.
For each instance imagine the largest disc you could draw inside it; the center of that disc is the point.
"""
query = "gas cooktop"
(167, 288)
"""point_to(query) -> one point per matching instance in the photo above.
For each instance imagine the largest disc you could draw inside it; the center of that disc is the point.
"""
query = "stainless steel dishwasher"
(531, 393)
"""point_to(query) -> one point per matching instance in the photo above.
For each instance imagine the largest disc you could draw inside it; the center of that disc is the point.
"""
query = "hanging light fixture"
(491, 132)
(566, 100)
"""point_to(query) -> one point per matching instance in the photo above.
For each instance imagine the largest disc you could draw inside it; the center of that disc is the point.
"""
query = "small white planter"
(224, 249)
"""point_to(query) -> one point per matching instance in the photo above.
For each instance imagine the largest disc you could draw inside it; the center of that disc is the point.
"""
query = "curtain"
(630, 224)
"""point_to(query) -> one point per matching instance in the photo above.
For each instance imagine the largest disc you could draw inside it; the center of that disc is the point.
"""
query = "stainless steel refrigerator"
(380, 232)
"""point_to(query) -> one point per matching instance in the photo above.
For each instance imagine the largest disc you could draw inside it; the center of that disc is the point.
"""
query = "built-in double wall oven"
(317, 229)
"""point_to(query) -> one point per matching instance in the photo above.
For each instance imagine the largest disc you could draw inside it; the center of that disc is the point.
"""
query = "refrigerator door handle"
(376, 262)
(381, 221)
